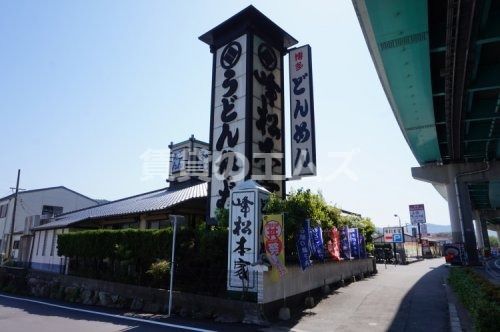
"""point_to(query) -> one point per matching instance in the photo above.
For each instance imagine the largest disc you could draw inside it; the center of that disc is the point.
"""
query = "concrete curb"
(455, 325)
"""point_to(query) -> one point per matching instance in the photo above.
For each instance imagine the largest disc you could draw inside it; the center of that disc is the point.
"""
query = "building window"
(158, 224)
(134, 225)
(3, 210)
(52, 210)
(44, 242)
(15, 245)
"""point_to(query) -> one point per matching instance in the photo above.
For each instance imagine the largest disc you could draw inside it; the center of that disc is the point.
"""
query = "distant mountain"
(433, 228)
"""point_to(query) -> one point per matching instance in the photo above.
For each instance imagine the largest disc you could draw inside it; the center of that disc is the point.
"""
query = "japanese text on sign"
(302, 113)
(243, 240)
(274, 244)
(417, 214)
(268, 158)
(229, 109)
(393, 235)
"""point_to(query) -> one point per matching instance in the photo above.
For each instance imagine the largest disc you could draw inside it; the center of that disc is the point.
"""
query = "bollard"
(309, 302)
(284, 313)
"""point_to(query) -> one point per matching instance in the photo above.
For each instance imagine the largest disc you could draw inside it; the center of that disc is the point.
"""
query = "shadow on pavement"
(425, 306)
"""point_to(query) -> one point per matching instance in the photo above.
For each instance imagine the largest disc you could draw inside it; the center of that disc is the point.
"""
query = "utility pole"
(9, 247)
(420, 242)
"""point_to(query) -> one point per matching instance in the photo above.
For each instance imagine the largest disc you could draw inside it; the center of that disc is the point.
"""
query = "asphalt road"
(30, 314)
(399, 298)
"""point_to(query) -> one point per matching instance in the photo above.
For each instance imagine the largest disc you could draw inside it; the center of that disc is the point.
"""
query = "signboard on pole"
(423, 230)
(302, 113)
(244, 240)
(417, 214)
(394, 235)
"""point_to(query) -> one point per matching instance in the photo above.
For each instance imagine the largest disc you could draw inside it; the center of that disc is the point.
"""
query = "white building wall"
(44, 252)
(31, 203)
(4, 231)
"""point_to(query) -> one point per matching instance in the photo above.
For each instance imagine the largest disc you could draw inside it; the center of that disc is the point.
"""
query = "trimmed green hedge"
(127, 256)
(116, 244)
(479, 296)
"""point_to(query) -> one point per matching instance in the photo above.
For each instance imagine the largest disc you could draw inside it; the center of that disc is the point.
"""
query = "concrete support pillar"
(479, 234)
(486, 238)
(469, 238)
(458, 175)
(456, 229)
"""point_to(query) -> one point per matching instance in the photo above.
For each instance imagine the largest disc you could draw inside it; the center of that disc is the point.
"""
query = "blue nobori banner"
(345, 247)
(354, 242)
(317, 248)
(362, 244)
(303, 245)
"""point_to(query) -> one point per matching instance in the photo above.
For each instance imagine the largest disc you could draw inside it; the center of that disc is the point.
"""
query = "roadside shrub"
(304, 204)
(159, 272)
(142, 257)
(479, 296)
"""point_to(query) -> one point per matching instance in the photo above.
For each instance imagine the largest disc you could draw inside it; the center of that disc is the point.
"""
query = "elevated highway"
(439, 65)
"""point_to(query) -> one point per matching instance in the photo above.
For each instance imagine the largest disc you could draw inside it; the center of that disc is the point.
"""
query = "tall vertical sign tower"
(247, 107)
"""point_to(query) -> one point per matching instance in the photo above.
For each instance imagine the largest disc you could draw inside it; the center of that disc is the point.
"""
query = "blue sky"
(87, 87)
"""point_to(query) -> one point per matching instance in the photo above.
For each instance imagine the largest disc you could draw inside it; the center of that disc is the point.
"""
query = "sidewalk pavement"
(399, 298)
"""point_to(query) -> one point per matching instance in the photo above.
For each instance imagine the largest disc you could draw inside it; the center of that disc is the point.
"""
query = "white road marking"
(184, 327)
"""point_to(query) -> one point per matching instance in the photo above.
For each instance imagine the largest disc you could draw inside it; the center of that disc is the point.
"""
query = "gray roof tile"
(148, 202)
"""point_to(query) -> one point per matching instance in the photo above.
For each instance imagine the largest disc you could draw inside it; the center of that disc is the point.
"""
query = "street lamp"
(395, 215)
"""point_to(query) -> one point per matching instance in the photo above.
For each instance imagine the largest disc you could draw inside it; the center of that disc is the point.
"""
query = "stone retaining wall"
(297, 285)
(120, 296)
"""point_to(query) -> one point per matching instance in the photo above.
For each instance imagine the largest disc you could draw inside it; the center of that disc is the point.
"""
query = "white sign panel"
(243, 241)
(417, 214)
(228, 122)
(393, 235)
(303, 149)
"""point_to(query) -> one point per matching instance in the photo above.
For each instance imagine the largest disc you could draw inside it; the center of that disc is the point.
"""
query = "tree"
(493, 241)
(303, 204)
